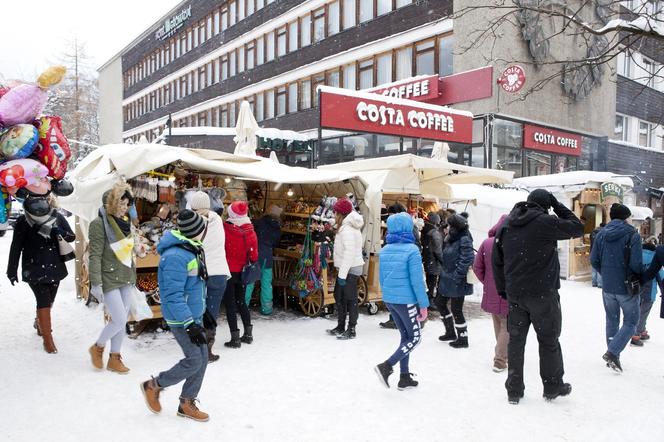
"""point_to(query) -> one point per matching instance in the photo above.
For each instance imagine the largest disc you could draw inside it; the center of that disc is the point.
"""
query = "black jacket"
(525, 255)
(432, 249)
(268, 231)
(41, 263)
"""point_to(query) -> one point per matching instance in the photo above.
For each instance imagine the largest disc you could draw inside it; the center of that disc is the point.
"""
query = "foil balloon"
(36, 206)
(62, 187)
(53, 150)
(21, 173)
(18, 141)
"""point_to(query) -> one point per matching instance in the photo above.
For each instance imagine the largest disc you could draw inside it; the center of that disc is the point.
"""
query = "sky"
(41, 30)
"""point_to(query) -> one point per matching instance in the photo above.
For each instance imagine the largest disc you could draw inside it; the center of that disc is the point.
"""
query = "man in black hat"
(527, 274)
(616, 250)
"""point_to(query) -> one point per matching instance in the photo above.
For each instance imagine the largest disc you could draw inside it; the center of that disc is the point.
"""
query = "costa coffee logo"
(512, 79)
(553, 140)
(386, 115)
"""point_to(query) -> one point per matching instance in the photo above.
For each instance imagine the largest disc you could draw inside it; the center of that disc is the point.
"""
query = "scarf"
(239, 221)
(200, 257)
(400, 238)
(43, 223)
(121, 240)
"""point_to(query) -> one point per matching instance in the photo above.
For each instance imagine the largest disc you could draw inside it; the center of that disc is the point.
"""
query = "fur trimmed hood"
(111, 198)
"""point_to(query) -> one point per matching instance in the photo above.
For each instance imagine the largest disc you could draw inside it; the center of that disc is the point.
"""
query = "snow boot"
(189, 410)
(560, 390)
(644, 335)
(247, 337)
(44, 319)
(97, 355)
(636, 341)
(384, 370)
(211, 337)
(388, 324)
(406, 381)
(235, 340)
(514, 398)
(36, 326)
(336, 331)
(150, 391)
(115, 364)
(348, 334)
(462, 340)
(612, 361)
(449, 335)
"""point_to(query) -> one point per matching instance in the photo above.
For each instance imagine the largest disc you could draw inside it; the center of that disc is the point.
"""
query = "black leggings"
(457, 309)
(234, 302)
(45, 293)
(346, 300)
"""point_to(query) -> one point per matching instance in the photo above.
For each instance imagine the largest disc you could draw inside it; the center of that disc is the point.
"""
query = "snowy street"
(295, 383)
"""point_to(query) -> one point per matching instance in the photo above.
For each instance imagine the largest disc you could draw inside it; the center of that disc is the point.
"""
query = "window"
(646, 134)
(250, 7)
(231, 63)
(216, 71)
(333, 78)
(251, 55)
(537, 163)
(384, 68)
(505, 158)
(319, 25)
(425, 58)
(217, 18)
(223, 119)
(625, 64)
(445, 56)
(269, 104)
(189, 40)
(350, 77)
(384, 6)
(231, 114)
(260, 51)
(366, 74)
(333, 18)
(317, 80)
(366, 10)
(224, 67)
(404, 63)
(209, 28)
(270, 47)
(210, 75)
(292, 97)
(292, 36)
(402, 3)
(350, 19)
(260, 99)
(305, 94)
(281, 41)
(621, 131)
(281, 101)
(240, 59)
(240, 10)
(260, 4)
(305, 30)
(224, 18)
(648, 67)
(232, 13)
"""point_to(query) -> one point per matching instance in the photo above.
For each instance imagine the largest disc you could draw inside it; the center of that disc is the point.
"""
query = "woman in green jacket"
(112, 272)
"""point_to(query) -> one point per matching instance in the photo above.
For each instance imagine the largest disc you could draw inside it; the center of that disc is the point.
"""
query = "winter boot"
(348, 334)
(560, 390)
(44, 319)
(115, 364)
(462, 340)
(336, 331)
(644, 335)
(189, 409)
(150, 391)
(514, 398)
(97, 356)
(388, 324)
(247, 337)
(612, 361)
(36, 326)
(636, 341)
(384, 370)
(406, 381)
(211, 337)
(449, 335)
(235, 340)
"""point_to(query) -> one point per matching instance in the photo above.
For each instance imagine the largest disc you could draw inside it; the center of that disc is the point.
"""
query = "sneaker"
(150, 391)
(562, 390)
(499, 367)
(384, 370)
(188, 409)
(336, 331)
(636, 341)
(406, 381)
(612, 361)
(348, 334)
(388, 324)
(645, 336)
(514, 398)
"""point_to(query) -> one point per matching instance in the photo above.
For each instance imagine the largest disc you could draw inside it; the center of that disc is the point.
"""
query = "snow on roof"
(499, 198)
(273, 133)
(640, 213)
(575, 178)
(200, 130)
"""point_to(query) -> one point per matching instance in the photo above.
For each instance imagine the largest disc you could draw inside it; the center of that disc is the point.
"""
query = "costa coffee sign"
(550, 140)
(418, 89)
(365, 112)
(512, 79)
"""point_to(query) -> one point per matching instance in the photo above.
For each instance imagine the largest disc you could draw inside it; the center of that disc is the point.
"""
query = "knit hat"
(540, 197)
(343, 206)
(275, 210)
(190, 223)
(619, 211)
(238, 209)
(433, 218)
(199, 200)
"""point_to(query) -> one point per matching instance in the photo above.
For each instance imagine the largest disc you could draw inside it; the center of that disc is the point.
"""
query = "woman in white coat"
(349, 263)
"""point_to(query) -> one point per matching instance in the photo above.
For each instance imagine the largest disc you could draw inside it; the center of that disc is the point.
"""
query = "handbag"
(251, 272)
(65, 249)
(632, 280)
(471, 277)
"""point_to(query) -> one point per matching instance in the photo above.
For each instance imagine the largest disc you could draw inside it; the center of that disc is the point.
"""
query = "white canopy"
(576, 180)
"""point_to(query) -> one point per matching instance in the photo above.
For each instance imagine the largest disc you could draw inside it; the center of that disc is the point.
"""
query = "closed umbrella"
(245, 138)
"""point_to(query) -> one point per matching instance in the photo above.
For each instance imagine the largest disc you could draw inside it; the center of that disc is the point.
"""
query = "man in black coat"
(432, 252)
(527, 274)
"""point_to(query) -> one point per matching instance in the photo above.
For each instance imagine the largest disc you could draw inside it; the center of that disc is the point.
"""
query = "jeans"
(216, 286)
(266, 290)
(191, 369)
(644, 310)
(617, 339)
(346, 301)
(597, 278)
(234, 302)
(117, 304)
(405, 318)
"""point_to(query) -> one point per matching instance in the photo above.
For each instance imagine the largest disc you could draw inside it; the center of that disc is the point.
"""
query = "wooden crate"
(150, 260)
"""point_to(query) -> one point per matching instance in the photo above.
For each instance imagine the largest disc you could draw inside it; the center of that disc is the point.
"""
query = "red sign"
(512, 79)
(550, 140)
(466, 86)
(418, 89)
(366, 112)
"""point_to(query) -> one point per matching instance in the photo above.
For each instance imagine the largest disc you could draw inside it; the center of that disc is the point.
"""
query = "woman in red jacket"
(241, 247)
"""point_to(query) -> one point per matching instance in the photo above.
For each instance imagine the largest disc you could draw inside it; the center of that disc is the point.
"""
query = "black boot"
(612, 361)
(388, 324)
(384, 370)
(247, 337)
(514, 398)
(336, 331)
(559, 390)
(211, 335)
(235, 340)
(462, 340)
(348, 334)
(449, 335)
(406, 381)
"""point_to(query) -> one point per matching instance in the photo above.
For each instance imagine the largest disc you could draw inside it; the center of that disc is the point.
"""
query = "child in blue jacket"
(404, 293)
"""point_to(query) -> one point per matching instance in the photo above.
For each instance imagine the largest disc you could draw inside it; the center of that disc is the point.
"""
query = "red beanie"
(239, 208)
(343, 206)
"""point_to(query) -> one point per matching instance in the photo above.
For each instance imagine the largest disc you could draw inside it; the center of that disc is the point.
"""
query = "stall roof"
(575, 178)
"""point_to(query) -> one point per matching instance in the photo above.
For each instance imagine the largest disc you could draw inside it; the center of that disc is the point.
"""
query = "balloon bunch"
(33, 150)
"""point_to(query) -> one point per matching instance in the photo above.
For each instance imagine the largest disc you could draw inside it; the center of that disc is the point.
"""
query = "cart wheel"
(312, 304)
(372, 308)
(362, 291)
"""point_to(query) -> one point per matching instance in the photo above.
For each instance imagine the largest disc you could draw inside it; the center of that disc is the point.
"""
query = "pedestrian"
(241, 249)
(596, 277)
(432, 252)
(453, 286)
(527, 273)
(349, 262)
(268, 230)
(182, 274)
(112, 272)
(214, 245)
(404, 294)
(648, 293)
(617, 252)
(491, 302)
(37, 234)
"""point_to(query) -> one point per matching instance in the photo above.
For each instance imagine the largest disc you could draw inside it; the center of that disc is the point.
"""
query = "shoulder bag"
(251, 272)
(632, 280)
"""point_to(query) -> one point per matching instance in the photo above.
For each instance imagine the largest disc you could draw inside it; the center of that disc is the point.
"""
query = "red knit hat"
(239, 209)
(343, 206)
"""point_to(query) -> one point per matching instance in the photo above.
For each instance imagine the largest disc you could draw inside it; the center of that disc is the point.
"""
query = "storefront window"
(388, 145)
(445, 56)
(459, 154)
(507, 133)
(504, 158)
(329, 153)
(537, 163)
(384, 64)
(477, 156)
(478, 131)
(349, 14)
(333, 18)
(410, 145)
(404, 63)
(358, 146)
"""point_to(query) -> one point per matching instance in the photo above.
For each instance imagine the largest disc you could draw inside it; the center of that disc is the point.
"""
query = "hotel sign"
(171, 25)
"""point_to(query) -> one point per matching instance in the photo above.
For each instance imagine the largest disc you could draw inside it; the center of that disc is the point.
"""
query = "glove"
(196, 334)
(13, 279)
(341, 282)
(209, 322)
(503, 295)
(97, 291)
(423, 314)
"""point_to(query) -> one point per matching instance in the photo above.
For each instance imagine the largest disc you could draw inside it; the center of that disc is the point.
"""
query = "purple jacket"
(491, 302)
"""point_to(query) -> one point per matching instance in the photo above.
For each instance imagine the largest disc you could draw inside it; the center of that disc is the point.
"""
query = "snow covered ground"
(297, 384)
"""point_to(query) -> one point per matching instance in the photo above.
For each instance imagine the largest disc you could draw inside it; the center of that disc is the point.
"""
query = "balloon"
(36, 206)
(5, 205)
(53, 150)
(18, 141)
(22, 104)
(43, 187)
(51, 76)
(21, 173)
(62, 187)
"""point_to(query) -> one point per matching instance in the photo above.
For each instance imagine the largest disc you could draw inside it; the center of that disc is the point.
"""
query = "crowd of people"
(426, 262)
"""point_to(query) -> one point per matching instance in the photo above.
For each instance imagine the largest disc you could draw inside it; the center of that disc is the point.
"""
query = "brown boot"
(44, 320)
(150, 391)
(97, 355)
(36, 326)
(115, 364)
(189, 409)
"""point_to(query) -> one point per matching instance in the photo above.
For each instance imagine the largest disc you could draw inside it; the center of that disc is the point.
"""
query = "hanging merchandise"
(18, 142)
(306, 279)
(53, 149)
(166, 191)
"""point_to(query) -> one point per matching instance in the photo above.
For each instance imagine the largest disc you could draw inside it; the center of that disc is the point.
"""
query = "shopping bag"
(140, 310)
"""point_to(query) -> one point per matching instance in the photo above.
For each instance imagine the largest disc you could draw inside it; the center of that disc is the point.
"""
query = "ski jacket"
(241, 243)
(650, 287)
(491, 301)
(458, 256)
(214, 245)
(348, 244)
(608, 255)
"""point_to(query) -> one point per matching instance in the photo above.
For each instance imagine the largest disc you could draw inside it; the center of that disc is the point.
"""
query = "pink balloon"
(22, 173)
(22, 104)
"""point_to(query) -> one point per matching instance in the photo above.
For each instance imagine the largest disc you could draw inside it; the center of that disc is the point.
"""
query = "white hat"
(199, 200)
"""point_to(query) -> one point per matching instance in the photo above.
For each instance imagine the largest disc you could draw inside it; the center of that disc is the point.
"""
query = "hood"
(617, 229)
(525, 212)
(400, 223)
(173, 238)
(354, 220)
(240, 229)
(499, 224)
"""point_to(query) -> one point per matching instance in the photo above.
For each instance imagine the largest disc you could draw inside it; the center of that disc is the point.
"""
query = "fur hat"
(199, 200)
(190, 223)
(343, 206)
(112, 198)
(619, 211)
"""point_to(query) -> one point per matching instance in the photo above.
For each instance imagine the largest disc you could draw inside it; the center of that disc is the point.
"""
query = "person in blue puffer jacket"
(404, 293)
(182, 275)
(648, 293)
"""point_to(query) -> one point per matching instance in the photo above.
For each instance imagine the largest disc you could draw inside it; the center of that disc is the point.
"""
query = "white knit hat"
(199, 200)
